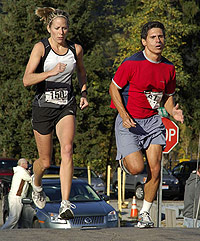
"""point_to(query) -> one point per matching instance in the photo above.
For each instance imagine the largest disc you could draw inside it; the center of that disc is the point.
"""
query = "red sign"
(172, 134)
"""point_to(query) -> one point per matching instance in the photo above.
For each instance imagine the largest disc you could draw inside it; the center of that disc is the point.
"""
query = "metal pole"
(108, 182)
(159, 195)
(198, 206)
(123, 186)
(89, 174)
(119, 194)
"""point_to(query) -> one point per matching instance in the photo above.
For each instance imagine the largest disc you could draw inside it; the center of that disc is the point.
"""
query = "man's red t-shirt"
(142, 84)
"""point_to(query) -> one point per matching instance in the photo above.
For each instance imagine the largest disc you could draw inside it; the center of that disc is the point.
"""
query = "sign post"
(172, 136)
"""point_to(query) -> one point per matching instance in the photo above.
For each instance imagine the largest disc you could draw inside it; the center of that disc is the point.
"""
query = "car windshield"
(80, 192)
(8, 164)
(165, 171)
(52, 171)
(83, 173)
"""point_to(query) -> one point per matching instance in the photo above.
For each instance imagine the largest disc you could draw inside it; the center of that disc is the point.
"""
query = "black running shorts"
(45, 119)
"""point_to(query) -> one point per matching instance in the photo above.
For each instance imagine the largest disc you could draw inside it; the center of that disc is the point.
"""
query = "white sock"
(65, 201)
(36, 188)
(145, 207)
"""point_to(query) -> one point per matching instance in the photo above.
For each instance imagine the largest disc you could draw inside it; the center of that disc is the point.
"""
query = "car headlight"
(54, 218)
(176, 181)
(100, 185)
(112, 216)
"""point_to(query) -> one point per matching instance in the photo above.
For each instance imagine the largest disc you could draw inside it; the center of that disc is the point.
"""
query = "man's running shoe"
(65, 211)
(145, 221)
(39, 198)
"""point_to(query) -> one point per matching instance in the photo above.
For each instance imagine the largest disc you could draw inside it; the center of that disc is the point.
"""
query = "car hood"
(169, 178)
(99, 208)
(6, 171)
(94, 181)
(97, 180)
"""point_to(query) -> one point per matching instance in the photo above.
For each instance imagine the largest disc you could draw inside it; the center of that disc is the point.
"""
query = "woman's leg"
(44, 146)
(65, 130)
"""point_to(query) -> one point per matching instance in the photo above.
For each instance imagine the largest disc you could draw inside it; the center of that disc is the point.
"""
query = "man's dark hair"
(150, 25)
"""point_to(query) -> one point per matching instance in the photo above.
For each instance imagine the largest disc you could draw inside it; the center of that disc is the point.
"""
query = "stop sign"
(172, 134)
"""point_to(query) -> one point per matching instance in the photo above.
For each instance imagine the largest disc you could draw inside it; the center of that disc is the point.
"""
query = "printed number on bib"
(58, 97)
(154, 98)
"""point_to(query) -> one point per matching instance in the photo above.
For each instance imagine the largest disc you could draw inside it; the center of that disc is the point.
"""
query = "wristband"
(84, 91)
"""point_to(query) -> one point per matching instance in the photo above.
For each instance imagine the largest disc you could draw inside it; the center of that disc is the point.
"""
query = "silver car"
(90, 210)
(82, 173)
(96, 182)
(135, 184)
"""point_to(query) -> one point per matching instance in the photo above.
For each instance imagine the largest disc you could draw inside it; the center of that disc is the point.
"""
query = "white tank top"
(57, 90)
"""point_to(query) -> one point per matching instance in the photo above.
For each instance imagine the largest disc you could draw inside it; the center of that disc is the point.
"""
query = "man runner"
(141, 82)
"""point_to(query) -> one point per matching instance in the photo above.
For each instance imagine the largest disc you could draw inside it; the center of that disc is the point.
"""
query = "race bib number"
(58, 97)
(154, 98)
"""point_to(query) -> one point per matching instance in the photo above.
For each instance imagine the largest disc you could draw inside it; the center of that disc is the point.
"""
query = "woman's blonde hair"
(48, 14)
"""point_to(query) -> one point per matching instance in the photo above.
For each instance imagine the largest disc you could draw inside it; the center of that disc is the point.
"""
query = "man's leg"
(154, 155)
(15, 208)
(134, 162)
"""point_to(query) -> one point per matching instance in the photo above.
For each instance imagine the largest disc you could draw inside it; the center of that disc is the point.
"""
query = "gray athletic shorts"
(147, 131)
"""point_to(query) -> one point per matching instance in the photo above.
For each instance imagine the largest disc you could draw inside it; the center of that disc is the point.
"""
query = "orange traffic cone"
(134, 210)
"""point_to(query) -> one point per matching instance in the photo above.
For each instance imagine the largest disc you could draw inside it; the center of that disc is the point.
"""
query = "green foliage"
(189, 94)
(92, 141)
(129, 41)
(190, 10)
(20, 30)
(105, 29)
(179, 35)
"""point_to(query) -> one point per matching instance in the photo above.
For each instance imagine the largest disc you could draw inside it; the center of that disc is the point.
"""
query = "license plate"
(165, 187)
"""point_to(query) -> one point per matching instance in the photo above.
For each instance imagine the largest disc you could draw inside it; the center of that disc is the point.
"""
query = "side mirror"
(105, 197)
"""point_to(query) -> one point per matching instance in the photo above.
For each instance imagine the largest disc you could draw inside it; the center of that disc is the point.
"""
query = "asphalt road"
(114, 234)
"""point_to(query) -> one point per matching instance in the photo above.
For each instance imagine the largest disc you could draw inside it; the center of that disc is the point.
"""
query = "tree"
(95, 125)
(189, 94)
(105, 29)
(20, 29)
